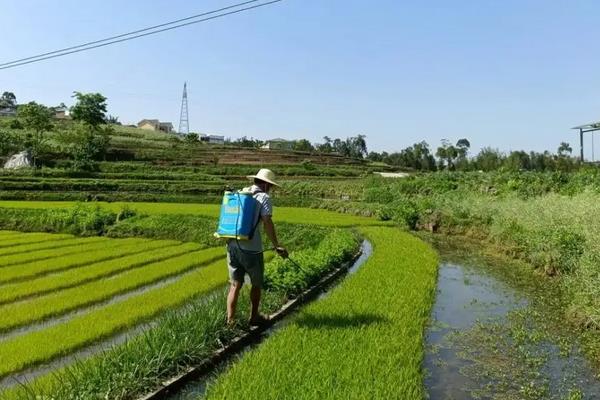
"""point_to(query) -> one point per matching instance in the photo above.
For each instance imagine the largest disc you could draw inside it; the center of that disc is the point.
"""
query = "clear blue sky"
(511, 74)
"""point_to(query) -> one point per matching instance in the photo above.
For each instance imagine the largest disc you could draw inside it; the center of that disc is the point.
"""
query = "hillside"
(144, 165)
(133, 144)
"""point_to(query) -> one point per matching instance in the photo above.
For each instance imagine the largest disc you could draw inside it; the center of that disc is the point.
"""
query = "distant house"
(278, 144)
(61, 112)
(166, 127)
(8, 112)
(155, 125)
(212, 139)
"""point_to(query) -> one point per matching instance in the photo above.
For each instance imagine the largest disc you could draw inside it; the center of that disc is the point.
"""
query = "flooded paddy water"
(498, 331)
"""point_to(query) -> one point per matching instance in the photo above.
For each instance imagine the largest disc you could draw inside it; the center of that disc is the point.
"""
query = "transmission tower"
(184, 123)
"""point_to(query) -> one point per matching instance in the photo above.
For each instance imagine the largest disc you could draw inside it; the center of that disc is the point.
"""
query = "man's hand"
(282, 252)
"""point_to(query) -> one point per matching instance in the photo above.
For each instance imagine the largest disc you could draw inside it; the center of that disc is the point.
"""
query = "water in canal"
(497, 331)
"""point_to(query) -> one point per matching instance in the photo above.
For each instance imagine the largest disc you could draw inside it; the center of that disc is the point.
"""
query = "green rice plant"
(363, 341)
(92, 272)
(41, 346)
(26, 248)
(81, 245)
(27, 238)
(54, 304)
(181, 338)
(9, 234)
(308, 265)
(118, 248)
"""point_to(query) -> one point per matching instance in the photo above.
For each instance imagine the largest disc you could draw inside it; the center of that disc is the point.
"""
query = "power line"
(130, 33)
(100, 43)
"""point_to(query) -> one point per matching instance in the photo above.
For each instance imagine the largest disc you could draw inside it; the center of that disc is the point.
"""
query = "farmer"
(246, 256)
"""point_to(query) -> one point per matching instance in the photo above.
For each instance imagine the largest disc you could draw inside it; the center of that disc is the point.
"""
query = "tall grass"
(557, 234)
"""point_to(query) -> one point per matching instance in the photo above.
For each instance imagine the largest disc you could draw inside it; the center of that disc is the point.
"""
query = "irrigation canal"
(497, 332)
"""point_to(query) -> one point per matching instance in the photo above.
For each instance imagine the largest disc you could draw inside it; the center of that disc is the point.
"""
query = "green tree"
(8, 100)
(565, 149)
(488, 159)
(447, 155)
(111, 119)
(85, 144)
(90, 108)
(88, 141)
(354, 147)
(359, 146)
(248, 143)
(9, 143)
(564, 161)
(37, 119)
(325, 147)
(374, 156)
(303, 145)
(462, 150)
(191, 138)
(518, 161)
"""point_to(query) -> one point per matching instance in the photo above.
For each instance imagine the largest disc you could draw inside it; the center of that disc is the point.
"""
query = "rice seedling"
(26, 248)
(91, 272)
(26, 238)
(54, 304)
(182, 337)
(41, 346)
(82, 245)
(118, 248)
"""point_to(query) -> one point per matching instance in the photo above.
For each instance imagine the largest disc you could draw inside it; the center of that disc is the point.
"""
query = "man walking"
(246, 256)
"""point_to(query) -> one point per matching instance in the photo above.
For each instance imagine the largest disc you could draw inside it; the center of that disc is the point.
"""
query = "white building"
(212, 139)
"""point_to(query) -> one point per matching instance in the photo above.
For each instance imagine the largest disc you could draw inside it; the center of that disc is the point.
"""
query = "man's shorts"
(241, 263)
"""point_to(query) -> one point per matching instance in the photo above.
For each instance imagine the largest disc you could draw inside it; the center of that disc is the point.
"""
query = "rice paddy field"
(95, 316)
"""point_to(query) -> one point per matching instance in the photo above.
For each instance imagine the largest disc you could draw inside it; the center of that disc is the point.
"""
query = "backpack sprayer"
(239, 218)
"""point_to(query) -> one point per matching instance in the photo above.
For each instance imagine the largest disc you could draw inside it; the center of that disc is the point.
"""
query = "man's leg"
(232, 299)
(255, 300)
(256, 271)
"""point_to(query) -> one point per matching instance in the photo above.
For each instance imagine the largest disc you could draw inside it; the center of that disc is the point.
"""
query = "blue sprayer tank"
(238, 214)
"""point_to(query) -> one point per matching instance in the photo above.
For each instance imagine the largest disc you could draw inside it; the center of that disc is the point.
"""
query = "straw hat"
(265, 175)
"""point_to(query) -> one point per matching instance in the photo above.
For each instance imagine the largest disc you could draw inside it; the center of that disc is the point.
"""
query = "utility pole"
(184, 123)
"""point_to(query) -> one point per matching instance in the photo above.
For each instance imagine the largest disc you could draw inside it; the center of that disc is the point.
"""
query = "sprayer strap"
(258, 216)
